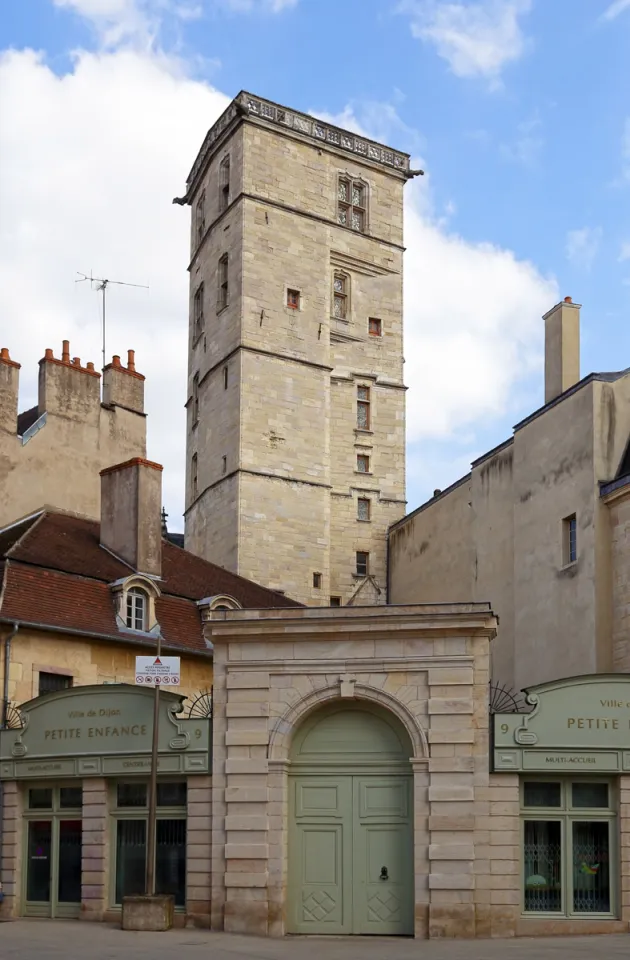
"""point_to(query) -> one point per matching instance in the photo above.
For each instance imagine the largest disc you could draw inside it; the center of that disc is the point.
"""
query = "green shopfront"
(571, 753)
(74, 779)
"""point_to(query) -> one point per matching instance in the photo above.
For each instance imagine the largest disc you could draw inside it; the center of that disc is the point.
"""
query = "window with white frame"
(568, 847)
(137, 609)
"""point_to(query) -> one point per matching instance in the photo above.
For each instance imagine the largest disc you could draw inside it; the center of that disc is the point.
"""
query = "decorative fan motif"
(199, 706)
(13, 719)
(504, 699)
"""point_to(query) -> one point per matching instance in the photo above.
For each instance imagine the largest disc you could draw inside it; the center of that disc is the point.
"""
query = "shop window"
(568, 848)
(131, 816)
(51, 682)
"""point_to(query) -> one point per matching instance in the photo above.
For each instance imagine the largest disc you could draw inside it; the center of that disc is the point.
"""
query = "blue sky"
(519, 110)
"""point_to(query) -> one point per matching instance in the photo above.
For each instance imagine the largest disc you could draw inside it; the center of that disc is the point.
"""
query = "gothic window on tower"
(195, 398)
(224, 184)
(351, 204)
(194, 481)
(363, 408)
(198, 311)
(341, 296)
(222, 285)
(200, 216)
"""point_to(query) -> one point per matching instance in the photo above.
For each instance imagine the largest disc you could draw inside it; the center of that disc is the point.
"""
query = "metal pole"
(104, 288)
(150, 884)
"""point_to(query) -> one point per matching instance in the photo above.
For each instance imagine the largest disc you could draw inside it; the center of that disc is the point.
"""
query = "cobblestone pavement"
(54, 940)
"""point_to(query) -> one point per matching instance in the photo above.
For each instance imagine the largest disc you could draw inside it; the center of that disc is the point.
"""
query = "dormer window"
(137, 609)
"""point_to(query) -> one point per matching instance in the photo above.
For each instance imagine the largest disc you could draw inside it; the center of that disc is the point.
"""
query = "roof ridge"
(32, 526)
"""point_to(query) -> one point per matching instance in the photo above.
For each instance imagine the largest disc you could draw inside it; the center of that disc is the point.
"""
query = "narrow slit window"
(194, 481)
(200, 216)
(225, 378)
(224, 184)
(569, 538)
(222, 288)
(195, 398)
(317, 581)
(198, 311)
(224, 464)
(363, 408)
(341, 286)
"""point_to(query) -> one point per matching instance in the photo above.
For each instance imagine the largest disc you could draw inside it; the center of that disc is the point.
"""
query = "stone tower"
(296, 402)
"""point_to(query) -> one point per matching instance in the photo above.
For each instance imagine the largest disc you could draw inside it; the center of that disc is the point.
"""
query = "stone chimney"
(123, 386)
(68, 388)
(131, 522)
(9, 381)
(562, 348)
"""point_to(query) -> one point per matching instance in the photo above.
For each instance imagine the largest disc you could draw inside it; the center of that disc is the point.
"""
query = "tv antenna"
(102, 286)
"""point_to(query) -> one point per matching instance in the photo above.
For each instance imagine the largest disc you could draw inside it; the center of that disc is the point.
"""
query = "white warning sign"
(157, 671)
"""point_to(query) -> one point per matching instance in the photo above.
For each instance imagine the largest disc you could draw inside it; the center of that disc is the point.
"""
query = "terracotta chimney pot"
(131, 360)
(65, 352)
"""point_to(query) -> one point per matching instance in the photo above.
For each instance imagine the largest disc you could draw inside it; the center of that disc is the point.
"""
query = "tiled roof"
(57, 574)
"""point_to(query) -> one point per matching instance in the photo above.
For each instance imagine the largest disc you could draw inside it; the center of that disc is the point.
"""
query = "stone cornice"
(249, 106)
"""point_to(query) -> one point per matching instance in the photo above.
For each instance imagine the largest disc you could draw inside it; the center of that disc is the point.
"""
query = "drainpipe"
(5, 714)
(7, 661)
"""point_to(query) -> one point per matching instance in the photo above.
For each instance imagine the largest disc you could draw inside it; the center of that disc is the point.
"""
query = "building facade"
(52, 453)
(538, 527)
(296, 402)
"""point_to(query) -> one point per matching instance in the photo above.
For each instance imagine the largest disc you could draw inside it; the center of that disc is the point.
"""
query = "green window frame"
(129, 806)
(569, 843)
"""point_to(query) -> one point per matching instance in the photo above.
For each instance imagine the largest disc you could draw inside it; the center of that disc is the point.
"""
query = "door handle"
(384, 874)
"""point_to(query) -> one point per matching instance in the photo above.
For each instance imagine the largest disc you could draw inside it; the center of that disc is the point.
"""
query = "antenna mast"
(102, 286)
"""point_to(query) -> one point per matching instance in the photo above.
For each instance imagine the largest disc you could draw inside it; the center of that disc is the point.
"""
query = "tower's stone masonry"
(295, 320)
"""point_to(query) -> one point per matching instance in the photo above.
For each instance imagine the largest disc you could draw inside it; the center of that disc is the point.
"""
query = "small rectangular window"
(70, 798)
(589, 795)
(131, 795)
(335, 601)
(363, 508)
(40, 798)
(194, 479)
(224, 464)
(363, 408)
(363, 563)
(51, 682)
(225, 378)
(200, 216)
(195, 398)
(541, 793)
(375, 327)
(293, 299)
(317, 581)
(171, 794)
(198, 311)
(224, 184)
(222, 286)
(569, 539)
(363, 463)
(341, 286)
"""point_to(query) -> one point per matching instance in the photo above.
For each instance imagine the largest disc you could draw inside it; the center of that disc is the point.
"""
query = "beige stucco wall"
(292, 413)
(619, 521)
(555, 619)
(86, 661)
(59, 465)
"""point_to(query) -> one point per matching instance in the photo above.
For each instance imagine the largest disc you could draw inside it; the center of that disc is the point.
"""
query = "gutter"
(5, 712)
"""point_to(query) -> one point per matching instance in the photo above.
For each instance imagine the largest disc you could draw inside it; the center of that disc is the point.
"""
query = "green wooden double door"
(351, 855)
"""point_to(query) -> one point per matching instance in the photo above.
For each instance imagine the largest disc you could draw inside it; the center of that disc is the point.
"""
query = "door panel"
(69, 869)
(383, 856)
(343, 832)
(38, 869)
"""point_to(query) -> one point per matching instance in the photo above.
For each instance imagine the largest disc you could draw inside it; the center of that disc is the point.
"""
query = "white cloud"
(582, 246)
(624, 253)
(615, 9)
(477, 39)
(90, 163)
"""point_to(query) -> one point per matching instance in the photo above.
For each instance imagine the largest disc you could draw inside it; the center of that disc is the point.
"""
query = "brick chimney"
(123, 386)
(9, 381)
(562, 348)
(131, 521)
